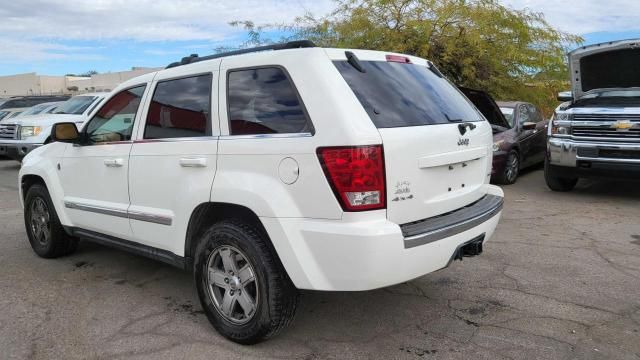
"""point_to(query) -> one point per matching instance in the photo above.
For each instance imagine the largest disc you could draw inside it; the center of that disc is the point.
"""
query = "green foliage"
(482, 44)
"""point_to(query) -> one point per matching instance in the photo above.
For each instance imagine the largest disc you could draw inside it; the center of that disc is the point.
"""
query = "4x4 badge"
(463, 141)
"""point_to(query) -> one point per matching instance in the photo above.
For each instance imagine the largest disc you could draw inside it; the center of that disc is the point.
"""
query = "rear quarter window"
(264, 101)
(399, 95)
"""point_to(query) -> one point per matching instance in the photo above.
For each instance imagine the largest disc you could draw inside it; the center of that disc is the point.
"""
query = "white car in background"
(18, 136)
(44, 108)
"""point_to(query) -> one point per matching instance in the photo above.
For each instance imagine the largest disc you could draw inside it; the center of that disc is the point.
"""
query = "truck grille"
(601, 126)
(8, 131)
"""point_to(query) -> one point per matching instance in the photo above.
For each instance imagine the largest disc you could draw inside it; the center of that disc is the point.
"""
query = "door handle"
(113, 162)
(193, 162)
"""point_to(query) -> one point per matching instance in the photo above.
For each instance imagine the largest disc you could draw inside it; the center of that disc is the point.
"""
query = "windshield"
(37, 109)
(3, 114)
(76, 105)
(397, 94)
(508, 114)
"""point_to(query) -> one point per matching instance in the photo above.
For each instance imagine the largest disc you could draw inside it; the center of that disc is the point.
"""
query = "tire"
(274, 296)
(46, 235)
(557, 183)
(511, 170)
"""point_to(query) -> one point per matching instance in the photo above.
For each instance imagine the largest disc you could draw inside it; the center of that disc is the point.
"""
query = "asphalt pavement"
(560, 279)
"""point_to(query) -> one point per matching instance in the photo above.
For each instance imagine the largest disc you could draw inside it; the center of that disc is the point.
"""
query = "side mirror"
(529, 126)
(65, 132)
(565, 96)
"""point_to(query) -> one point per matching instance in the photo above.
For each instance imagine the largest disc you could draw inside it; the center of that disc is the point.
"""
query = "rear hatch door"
(436, 143)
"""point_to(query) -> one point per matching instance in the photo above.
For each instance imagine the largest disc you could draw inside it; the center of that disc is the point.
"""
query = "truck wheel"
(46, 235)
(511, 169)
(243, 288)
(557, 183)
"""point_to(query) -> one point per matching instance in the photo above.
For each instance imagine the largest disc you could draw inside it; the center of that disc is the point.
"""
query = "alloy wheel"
(232, 284)
(40, 221)
(512, 167)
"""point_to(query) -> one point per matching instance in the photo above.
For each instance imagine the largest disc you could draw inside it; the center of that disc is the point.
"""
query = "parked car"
(25, 102)
(519, 134)
(44, 108)
(596, 132)
(264, 172)
(20, 135)
(9, 113)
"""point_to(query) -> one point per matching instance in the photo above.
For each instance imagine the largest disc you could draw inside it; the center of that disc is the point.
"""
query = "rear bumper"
(570, 159)
(16, 150)
(366, 254)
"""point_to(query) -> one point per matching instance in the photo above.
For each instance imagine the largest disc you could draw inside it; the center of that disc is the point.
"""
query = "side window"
(535, 114)
(114, 121)
(264, 101)
(180, 108)
(523, 115)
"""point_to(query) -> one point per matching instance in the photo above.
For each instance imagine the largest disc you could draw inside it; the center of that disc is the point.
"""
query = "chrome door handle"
(193, 162)
(113, 162)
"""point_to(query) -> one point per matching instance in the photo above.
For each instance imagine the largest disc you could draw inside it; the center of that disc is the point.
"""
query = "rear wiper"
(452, 120)
(353, 60)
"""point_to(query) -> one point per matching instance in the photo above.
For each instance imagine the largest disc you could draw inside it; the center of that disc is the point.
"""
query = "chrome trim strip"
(453, 229)
(96, 209)
(152, 218)
(132, 215)
(604, 159)
(265, 136)
(177, 139)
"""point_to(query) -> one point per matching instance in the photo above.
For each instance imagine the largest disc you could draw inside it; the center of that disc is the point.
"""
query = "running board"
(164, 256)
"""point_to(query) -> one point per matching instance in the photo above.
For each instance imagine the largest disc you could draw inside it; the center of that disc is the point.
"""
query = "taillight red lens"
(356, 175)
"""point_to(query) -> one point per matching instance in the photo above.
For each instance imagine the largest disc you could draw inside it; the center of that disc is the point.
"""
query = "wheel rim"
(512, 167)
(40, 221)
(232, 284)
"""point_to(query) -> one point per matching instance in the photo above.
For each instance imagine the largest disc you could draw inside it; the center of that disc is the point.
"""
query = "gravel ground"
(560, 279)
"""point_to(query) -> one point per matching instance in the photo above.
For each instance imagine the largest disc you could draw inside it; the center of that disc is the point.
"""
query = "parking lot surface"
(560, 279)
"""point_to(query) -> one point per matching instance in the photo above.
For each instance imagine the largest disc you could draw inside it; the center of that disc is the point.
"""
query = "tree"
(482, 44)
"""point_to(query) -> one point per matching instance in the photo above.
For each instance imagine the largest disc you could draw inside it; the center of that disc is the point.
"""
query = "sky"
(57, 37)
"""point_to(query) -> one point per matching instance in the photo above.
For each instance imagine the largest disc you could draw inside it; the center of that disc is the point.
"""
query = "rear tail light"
(356, 175)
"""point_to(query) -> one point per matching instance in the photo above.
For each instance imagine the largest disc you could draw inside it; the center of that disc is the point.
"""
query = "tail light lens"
(356, 175)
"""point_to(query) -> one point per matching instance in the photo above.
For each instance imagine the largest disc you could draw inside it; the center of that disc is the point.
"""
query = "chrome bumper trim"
(564, 151)
(443, 226)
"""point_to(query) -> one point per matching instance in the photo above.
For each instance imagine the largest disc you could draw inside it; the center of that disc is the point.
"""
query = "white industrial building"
(34, 84)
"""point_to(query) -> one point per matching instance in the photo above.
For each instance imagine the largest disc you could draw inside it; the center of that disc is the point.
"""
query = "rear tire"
(236, 265)
(46, 235)
(557, 183)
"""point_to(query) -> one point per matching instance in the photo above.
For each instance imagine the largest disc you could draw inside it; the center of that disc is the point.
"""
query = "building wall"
(19, 84)
(33, 84)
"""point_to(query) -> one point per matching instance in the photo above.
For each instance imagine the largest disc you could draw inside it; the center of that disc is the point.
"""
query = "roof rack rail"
(281, 46)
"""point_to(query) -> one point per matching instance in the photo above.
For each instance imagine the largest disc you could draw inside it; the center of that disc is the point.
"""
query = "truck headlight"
(29, 131)
(497, 145)
(560, 127)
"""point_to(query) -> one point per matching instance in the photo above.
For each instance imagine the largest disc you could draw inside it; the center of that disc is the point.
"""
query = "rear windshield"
(397, 95)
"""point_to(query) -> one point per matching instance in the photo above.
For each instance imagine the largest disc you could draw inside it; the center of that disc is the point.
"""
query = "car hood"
(487, 106)
(611, 65)
(45, 120)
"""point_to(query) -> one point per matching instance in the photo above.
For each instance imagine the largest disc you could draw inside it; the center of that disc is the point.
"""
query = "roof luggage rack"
(281, 46)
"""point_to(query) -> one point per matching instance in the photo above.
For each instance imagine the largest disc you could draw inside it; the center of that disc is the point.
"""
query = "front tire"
(557, 183)
(511, 169)
(46, 235)
(243, 288)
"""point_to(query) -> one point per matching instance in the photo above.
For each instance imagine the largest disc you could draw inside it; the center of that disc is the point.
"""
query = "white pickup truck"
(19, 135)
(596, 132)
(264, 172)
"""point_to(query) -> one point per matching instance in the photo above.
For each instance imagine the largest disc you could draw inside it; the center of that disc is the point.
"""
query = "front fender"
(43, 162)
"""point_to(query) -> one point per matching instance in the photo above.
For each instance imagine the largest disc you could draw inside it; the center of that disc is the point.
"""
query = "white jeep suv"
(264, 172)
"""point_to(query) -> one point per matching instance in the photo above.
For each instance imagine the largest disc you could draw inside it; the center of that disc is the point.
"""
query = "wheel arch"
(207, 214)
